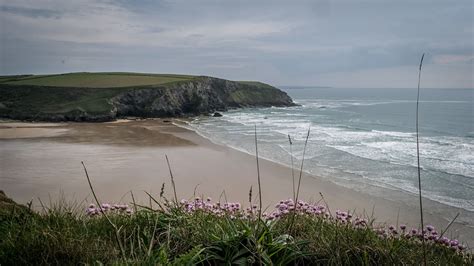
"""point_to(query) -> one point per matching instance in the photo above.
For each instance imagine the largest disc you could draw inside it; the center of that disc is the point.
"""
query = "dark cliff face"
(201, 95)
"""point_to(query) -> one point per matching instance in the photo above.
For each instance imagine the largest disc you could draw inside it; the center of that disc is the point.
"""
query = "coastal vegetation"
(207, 232)
(108, 96)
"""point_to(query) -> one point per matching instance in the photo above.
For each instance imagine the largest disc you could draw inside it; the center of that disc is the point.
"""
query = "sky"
(337, 43)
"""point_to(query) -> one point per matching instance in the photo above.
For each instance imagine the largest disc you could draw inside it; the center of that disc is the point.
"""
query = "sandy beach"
(44, 161)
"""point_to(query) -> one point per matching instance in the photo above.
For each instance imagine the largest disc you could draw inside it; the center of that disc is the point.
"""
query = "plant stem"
(302, 162)
(258, 178)
(292, 167)
(418, 158)
(134, 203)
(172, 180)
(449, 225)
(117, 236)
(299, 182)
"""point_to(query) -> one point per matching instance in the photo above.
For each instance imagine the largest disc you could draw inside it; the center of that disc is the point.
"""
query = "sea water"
(365, 140)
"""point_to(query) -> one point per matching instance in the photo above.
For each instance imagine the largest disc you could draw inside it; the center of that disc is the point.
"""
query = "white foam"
(395, 133)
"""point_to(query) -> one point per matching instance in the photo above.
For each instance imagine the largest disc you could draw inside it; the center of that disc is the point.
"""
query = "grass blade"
(117, 236)
(258, 178)
(172, 180)
(292, 167)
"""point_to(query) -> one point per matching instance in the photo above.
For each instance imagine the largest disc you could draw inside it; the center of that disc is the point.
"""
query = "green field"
(94, 80)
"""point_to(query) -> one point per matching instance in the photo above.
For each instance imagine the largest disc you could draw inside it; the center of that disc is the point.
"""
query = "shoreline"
(209, 169)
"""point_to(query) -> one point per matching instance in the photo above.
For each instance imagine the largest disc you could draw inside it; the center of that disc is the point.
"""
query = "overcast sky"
(373, 43)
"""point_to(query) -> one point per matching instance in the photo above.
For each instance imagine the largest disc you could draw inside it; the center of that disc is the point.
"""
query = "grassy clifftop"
(106, 96)
(94, 80)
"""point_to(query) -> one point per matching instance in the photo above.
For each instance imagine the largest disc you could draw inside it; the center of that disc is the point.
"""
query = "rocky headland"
(198, 95)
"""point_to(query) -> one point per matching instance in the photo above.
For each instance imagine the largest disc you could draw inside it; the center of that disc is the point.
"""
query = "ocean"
(364, 139)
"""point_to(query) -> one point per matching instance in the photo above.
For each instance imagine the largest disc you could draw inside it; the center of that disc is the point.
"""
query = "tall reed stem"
(292, 167)
(172, 180)
(302, 163)
(449, 225)
(117, 235)
(258, 178)
(418, 159)
(299, 182)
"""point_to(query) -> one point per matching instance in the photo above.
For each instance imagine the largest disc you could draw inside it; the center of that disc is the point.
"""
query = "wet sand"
(43, 161)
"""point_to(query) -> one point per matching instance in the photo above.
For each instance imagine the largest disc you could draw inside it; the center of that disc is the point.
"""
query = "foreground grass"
(203, 235)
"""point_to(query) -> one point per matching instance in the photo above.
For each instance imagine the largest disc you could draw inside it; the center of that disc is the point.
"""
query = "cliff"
(185, 97)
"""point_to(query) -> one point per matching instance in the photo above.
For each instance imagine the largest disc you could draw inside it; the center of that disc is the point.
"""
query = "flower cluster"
(284, 207)
(92, 210)
(429, 234)
(231, 209)
(234, 210)
(347, 218)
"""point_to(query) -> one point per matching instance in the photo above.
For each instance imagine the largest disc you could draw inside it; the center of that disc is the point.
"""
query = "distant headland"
(106, 96)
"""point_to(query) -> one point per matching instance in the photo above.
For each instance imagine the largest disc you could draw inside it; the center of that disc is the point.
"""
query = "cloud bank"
(373, 43)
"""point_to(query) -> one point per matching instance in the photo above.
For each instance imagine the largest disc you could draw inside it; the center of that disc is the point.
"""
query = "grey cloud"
(281, 42)
(30, 12)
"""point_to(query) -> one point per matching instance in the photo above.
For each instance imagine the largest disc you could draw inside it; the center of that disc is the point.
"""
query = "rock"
(216, 114)
(195, 97)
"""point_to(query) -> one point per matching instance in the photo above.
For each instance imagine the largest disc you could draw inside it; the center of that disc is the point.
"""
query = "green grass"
(63, 235)
(255, 83)
(95, 80)
(59, 100)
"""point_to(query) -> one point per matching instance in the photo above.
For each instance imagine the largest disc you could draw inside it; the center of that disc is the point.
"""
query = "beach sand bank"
(43, 161)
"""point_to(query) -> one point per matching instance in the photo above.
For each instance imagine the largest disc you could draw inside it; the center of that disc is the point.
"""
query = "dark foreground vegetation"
(207, 233)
